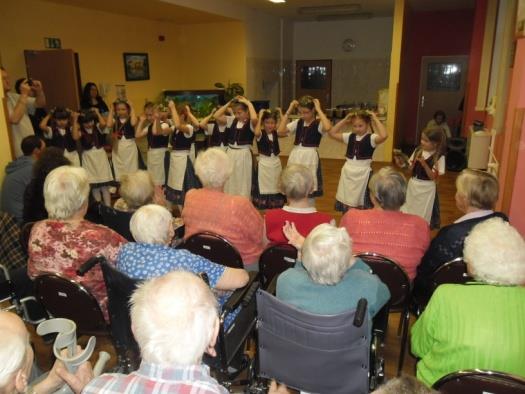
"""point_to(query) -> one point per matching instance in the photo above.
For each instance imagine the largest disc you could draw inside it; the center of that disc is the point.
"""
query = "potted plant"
(231, 90)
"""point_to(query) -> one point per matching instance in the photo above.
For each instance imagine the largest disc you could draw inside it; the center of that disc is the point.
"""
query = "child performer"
(308, 132)
(181, 175)
(217, 136)
(125, 156)
(94, 158)
(426, 163)
(56, 127)
(240, 130)
(266, 193)
(367, 133)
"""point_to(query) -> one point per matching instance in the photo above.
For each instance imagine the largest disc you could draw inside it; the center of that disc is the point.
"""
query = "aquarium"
(201, 102)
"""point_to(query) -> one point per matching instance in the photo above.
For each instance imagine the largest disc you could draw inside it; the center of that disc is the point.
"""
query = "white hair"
(66, 190)
(151, 224)
(296, 181)
(173, 319)
(13, 351)
(495, 253)
(327, 254)
(137, 189)
(213, 167)
(388, 187)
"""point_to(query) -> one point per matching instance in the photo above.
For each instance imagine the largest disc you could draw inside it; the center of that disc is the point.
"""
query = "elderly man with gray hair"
(385, 229)
(328, 280)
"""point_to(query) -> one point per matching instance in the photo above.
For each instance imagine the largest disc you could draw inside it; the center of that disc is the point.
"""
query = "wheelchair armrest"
(89, 264)
(360, 313)
(242, 295)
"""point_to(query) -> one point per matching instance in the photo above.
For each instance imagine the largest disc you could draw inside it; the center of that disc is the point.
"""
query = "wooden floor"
(331, 170)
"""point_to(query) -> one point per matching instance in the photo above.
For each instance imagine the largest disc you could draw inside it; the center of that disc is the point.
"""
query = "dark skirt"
(435, 219)
(319, 191)
(190, 182)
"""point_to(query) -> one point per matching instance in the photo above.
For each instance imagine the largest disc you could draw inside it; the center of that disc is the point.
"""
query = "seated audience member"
(476, 196)
(136, 190)
(34, 207)
(18, 174)
(16, 361)
(328, 280)
(404, 385)
(151, 256)
(210, 209)
(477, 325)
(296, 183)
(175, 321)
(385, 229)
(12, 255)
(62, 243)
(440, 120)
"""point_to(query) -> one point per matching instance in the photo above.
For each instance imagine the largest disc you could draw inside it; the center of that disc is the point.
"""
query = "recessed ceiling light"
(278, 1)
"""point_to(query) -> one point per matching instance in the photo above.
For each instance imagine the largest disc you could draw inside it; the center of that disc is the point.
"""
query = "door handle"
(422, 101)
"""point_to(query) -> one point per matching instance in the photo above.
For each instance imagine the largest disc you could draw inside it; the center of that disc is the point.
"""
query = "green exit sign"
(51, 42)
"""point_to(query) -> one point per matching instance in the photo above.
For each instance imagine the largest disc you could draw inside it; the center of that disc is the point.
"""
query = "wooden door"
(57, 69)
(314, 78)
(441, 87)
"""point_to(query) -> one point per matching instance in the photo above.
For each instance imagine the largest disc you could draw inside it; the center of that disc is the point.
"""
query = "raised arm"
(251, 109)
(192, 119)
(258, 127)
(220, 114)
(101, 120)
(379, 128)
(204, 122)
(179, 126)
(20, 108)
(40, 97)
(140, 130)
(75, 129)
(111, 116)
(281, 133)
(44, 126)
(132, 114)
(284, 119)
(325, 122)
(336, 132)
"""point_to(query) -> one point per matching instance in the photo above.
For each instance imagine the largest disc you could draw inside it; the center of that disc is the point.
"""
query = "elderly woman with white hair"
(62, 243)
(210, 209)
(296, 183)
(328, 280)
(477, 325)
(137, 189)
(385, 229)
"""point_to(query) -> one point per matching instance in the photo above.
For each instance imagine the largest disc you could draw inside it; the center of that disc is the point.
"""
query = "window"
(444, 76)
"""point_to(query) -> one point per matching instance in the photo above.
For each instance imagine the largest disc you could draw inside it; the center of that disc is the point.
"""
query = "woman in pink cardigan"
(384, 229)
(210, 209)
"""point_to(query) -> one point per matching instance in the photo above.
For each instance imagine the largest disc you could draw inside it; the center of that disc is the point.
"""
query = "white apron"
(125, 157)
(420, 198)
(73, 157)
(95, 162)
(306, 156)
(192, 153)
(240, 182)
(155, 164)
(268, 171)
(353, 183)
(177, 171)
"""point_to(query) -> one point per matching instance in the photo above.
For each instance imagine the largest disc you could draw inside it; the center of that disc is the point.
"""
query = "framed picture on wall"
(136, 66)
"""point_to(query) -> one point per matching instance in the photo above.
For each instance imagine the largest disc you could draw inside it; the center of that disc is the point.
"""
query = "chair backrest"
(480, 382)
(214, 248)
(454, 271)
(274, 260)
(25, 233)
(63, 297)
(117, 220)
(391, 274)
(313, 353)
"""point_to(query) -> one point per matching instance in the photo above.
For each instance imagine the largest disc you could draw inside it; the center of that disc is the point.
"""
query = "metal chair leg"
(405, 320)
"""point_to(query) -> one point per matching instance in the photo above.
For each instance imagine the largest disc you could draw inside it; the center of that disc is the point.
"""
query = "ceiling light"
(329, 9)
(278, 1)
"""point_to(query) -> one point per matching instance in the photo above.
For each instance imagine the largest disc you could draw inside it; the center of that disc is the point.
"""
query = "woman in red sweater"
(296, 183)
(384, 229)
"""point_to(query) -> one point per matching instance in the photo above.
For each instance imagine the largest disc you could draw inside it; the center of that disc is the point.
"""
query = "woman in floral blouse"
(62, 243)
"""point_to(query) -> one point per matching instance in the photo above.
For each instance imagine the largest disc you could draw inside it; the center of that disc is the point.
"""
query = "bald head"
(11, 321)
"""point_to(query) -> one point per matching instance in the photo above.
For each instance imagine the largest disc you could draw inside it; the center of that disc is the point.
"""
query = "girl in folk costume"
(266, 191)
(240, 128)
(94, 157)
(217, 135)
(57, 130)
(366, 134)
(308, 132)
(181, 175)
(427, 163)
(125, 155)
(157, 132)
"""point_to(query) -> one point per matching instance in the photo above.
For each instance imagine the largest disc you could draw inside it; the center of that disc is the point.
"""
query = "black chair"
(480, 382)
(117, 220)
(63, 297)
(275, 260)
(398, 283)
(25, 233)
(313, 353)
(215, 248)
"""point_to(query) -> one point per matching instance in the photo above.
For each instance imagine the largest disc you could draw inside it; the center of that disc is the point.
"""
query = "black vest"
(360, 150)
(267, 147)
(242, 136)
(96, 139)
(217, 138)
(419, 172)
(180, 142)
(124, 129)
(65, 141)
(308, 135)
(157, 141)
